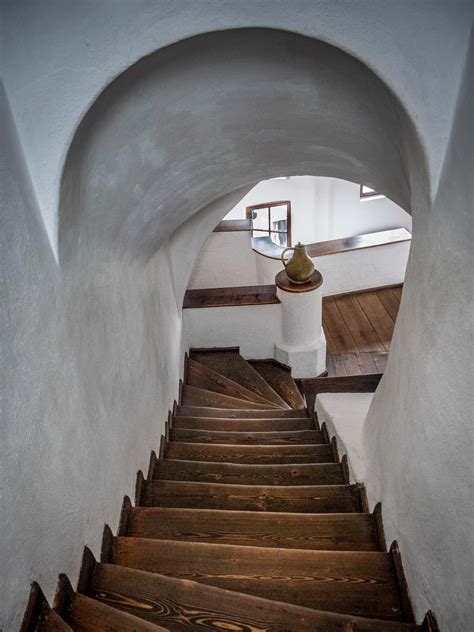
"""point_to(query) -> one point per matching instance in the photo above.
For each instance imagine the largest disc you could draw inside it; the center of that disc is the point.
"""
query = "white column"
(303, 343)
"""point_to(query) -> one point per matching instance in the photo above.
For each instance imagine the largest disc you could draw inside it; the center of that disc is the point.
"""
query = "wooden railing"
(266, 247)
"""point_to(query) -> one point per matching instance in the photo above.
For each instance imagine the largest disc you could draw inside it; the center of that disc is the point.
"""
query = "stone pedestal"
(303, 344)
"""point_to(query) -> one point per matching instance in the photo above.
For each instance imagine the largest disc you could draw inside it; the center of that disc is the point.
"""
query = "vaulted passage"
(246, 521)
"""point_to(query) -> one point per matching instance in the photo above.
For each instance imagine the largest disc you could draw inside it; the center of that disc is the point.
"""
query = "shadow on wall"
(193, 122)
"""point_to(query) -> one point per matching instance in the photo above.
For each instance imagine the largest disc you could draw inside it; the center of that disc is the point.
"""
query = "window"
(366, 193)
(271, 219)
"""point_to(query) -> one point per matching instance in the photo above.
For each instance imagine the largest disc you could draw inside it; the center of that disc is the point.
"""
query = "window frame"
(369, 194)
(269, 205)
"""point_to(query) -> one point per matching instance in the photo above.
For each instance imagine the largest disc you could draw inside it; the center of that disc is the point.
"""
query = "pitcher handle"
(285, 263)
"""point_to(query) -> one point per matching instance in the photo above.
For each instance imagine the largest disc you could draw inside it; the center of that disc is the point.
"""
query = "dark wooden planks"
(348, 384)
(233, 366)
(204, 377)
(299, 499)
(231, 296)
(243, 474)
(188, 606)
(337, 328)
(192, 396)
(357, 583)
(246, 438)
(327, 532)
(233, 225)
(257, 454)
(361, 329)
(90, 615)
(281, 381)
(244, 425)
(378, 316)
(232, 413)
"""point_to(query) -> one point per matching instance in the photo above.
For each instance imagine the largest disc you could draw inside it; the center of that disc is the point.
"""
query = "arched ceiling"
(205, 116)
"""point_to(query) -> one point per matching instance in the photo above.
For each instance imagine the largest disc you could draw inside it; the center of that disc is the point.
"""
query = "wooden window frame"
(269, 205)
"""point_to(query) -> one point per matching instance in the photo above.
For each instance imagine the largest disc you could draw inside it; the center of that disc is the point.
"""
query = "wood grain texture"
(233, 413)
(281, 381)
(192, 396)
(230, 296)
(204, 377)
(357, 583)
(188, 606)
(299, 498)
(90, 615)
(233, 366)
(257, 454)
(349, 384)
(243, 425)
(240, 474)
(328, 532)
(233, 225)
(279, 437)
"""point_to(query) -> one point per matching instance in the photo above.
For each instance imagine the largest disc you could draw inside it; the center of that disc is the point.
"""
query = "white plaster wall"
(253, 328)
(90, 366)
(225, 260)
(325, 208)
(75, 49)
(419, 430)
(350, 271)
(81, 346)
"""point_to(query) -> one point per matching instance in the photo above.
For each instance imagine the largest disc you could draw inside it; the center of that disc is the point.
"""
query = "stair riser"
(257, 455)
(243, 425)
(234, 474)
(200, 411)
(357, 583)
(247, 438)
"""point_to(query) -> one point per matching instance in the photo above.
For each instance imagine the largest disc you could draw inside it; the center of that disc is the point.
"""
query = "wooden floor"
(359, 329)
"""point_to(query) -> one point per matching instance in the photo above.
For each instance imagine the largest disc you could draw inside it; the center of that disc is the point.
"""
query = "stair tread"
(245, 474)
(295, 499)
(349, 582)
(233, 413)
(232, 365)
(193, 396)
(242, 437)
(281, 381)
(184, 606)
(348, 531)
(205, 377)
(52, 622)
(91, 615)
(245, 425)
(263, 454)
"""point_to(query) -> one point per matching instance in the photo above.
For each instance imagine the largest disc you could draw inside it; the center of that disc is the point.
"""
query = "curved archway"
(205, 116)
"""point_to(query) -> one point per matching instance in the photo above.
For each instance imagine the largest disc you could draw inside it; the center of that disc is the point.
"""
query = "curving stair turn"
(247, 522)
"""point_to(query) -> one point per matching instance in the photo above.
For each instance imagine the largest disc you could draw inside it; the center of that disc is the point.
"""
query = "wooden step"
(204, 377)
(90, 615)
(325, 532)
(280, 380)
(240, 474)
(232, 365)
(349, 582)
(280, 437)
(188, 606)
(244, 425)
(233, 413)
(258, 454)
(52, 622)
(297, 499)
(192, 396)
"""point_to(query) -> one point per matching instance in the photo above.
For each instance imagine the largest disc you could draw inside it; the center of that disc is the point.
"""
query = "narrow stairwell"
(246, 521)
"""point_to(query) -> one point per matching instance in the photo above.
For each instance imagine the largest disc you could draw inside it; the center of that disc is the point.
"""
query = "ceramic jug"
(300, 267)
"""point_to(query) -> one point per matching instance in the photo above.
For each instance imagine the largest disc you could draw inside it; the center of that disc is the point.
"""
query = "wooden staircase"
(246, 521)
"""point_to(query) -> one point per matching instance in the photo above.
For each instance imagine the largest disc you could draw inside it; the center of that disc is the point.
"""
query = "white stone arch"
(198, 119)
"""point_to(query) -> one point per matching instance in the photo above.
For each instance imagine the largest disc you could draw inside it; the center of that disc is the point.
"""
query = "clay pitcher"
(300, 267)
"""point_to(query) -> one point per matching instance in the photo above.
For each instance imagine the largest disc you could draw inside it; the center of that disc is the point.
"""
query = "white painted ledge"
(344, 415)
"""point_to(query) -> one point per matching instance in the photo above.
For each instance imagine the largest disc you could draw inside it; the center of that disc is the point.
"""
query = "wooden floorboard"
(359, 328)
